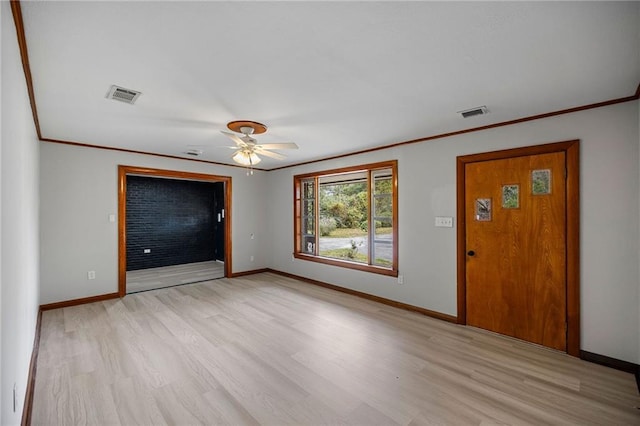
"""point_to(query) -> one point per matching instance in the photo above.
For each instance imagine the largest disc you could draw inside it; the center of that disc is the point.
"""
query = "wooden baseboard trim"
(82, 301)
(614, 363)
(385, 301)
(252, 272)
(31, 379)
(617, 364)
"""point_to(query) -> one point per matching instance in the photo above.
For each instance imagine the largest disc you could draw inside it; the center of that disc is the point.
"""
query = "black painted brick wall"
(173, 218)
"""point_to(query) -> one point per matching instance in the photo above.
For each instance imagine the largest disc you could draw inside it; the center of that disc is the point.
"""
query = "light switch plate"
(444, 222)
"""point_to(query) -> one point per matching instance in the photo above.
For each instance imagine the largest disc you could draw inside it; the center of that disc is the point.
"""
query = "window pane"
(308, 221)
(354, 249)
(308, 189)
(382, 182)
(382, 205)
(346, 203)
(308, 208)
(383, 242)
(308, 244)
(343, 217)
(383, 251)
(308, 225)
(308, 240)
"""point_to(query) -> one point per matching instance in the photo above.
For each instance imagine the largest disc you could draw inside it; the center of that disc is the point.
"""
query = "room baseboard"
(252, 272)
(31, 379)
(617, 364)
(82, 301)
(108, 296)
(385, 301)
(614, 363)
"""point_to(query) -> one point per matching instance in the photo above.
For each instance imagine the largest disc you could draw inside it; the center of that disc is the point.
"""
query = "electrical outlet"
(251, 258)
(400, 279)
(91, 275)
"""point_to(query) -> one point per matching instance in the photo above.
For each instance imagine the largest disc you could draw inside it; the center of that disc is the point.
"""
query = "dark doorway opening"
(174, 228)
(172, 222)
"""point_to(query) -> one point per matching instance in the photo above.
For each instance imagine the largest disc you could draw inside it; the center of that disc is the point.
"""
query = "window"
(348, 217)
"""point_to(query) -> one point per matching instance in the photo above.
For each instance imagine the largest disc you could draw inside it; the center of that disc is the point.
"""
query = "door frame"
(123, 171)
(572, 161)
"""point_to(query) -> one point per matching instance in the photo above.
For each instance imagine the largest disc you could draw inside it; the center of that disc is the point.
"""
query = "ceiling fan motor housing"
(247, 130)
(255, 127)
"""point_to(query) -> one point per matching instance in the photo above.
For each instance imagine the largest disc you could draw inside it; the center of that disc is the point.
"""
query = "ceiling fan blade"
(288, 145)
(270, 154)
(234, 138)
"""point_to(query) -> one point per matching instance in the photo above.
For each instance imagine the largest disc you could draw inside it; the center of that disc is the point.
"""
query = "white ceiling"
(333, 77)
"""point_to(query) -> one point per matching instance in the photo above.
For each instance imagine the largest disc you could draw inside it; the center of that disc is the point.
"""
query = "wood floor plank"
(135, 403)
(168, 276)
(267, 349)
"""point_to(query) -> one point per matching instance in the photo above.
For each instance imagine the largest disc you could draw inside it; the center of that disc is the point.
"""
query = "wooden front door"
(516, 245)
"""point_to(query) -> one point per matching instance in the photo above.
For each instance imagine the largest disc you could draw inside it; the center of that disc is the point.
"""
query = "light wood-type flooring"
(264, 349)
(168, 276)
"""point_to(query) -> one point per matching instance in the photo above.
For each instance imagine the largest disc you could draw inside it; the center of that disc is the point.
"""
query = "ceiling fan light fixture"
(246, 158)
(248, 148)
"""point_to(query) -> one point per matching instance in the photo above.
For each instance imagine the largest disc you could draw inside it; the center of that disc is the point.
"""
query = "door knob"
(471, 253)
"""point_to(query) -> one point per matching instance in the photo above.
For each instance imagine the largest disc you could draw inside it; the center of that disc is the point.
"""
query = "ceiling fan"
(247, 147)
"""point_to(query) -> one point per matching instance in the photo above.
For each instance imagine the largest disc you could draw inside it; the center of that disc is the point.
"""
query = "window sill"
(346, 264)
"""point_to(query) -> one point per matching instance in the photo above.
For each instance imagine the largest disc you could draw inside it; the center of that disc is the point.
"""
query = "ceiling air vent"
(474, 111)
(123, 95)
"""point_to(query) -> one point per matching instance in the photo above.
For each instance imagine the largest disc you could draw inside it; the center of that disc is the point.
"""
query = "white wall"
(19, 226)
(78, 193)
(427, 188)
